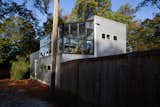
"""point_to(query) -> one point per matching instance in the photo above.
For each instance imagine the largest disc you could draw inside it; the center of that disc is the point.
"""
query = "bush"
(19, 69)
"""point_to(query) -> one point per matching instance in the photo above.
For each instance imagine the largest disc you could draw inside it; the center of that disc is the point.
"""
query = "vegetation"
(20, 31)
(86, 8)
(18, 36)
(141, 35)
(19, 69)
(155, 3)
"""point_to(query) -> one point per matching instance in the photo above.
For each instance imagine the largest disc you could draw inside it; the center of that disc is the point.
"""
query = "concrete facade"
(114, 40)
(109, 38)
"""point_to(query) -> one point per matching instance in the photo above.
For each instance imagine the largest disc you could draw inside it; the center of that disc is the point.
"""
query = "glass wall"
(77, 38)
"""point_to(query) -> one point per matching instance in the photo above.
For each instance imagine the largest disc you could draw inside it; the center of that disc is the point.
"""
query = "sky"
(142, 14)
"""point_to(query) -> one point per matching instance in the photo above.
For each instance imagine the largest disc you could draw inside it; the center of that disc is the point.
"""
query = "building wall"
(102, 47)
(108, 46)
(40, 68)
(33, 68)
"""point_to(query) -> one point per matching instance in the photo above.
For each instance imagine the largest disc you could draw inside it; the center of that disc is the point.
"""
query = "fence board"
(128, 80)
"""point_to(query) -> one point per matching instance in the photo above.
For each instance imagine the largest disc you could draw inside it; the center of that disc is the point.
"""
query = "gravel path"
(25, 93)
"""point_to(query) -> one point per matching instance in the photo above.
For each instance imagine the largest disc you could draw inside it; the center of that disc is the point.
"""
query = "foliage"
(41, 5)
(141, 35)
(127, 10)
(19, 69)
(20, 35)
(15, 9)
(149, 2)
(49, 23)
(146, 36)
(4, 50)
(86, 8)
(18, 30)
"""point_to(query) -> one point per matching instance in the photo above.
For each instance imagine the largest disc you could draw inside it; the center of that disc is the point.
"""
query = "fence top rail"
(119, 56)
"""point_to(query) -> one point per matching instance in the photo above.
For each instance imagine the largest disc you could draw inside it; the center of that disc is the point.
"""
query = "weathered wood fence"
(128, 80)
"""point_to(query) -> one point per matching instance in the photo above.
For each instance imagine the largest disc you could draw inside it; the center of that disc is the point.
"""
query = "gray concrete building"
(95, 37)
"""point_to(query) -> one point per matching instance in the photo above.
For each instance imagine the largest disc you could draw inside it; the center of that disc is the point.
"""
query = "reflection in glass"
(89, 28)
(65, 29)
(73, 29)
(82, 43)
(82, 30)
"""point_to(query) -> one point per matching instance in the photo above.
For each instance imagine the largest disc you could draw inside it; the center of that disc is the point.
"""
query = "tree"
(149, 2)
(4, 50)
(12, 9)
(48, 25)
(154, 37)
(20, 36)
(127, 10)
(19, 27)
(146, 36)
(86, 8)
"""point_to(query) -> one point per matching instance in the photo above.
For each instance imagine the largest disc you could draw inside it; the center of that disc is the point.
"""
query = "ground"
(24, 93)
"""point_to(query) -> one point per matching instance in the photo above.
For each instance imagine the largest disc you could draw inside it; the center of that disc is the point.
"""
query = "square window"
(103, 36)
(115, 37)
(108, 36)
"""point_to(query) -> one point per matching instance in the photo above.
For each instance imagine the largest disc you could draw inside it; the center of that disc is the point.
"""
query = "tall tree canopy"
(13, 8)
(86, 8)
(149, 2)
(20, 36)
(18, 30)
(140, 34)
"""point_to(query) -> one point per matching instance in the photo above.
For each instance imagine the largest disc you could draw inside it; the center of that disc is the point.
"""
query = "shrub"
(19, 69)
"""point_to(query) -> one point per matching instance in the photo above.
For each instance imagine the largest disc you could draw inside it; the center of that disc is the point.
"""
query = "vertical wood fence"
(128, 80)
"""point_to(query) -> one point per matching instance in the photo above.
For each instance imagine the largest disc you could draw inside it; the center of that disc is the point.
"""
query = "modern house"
(95, 37)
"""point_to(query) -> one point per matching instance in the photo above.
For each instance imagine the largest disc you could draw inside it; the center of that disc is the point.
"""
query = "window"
(82, 30)
(89, 30)
(80, 39)
(108, 36)
(49, 68)
(115, 37)
(66, 29)
(73, 29)
(103, 36)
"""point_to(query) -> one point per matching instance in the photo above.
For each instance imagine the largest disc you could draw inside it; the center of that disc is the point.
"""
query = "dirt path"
(25, 93)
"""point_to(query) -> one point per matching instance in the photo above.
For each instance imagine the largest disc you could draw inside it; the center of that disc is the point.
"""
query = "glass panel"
(81, 43)
(65, 29)
(73, 29)
(66, 45)
(86, 47)
(89, 28)
(60, 32)
(82, 30)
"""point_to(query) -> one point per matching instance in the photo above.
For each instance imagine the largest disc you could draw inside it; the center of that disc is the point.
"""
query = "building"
(95, 37)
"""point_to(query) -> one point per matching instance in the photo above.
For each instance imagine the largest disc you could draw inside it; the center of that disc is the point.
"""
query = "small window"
(108, 36)
(49, 68)
(115, 37)
(103, 36)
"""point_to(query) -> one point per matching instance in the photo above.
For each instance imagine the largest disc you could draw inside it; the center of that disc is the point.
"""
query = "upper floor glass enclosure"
(77, 38)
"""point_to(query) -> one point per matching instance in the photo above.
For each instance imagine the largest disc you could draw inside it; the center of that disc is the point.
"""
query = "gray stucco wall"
(41, 66)
(109, 46)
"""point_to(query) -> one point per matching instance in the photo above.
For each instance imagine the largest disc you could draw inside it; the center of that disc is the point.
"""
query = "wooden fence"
(128, 80)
